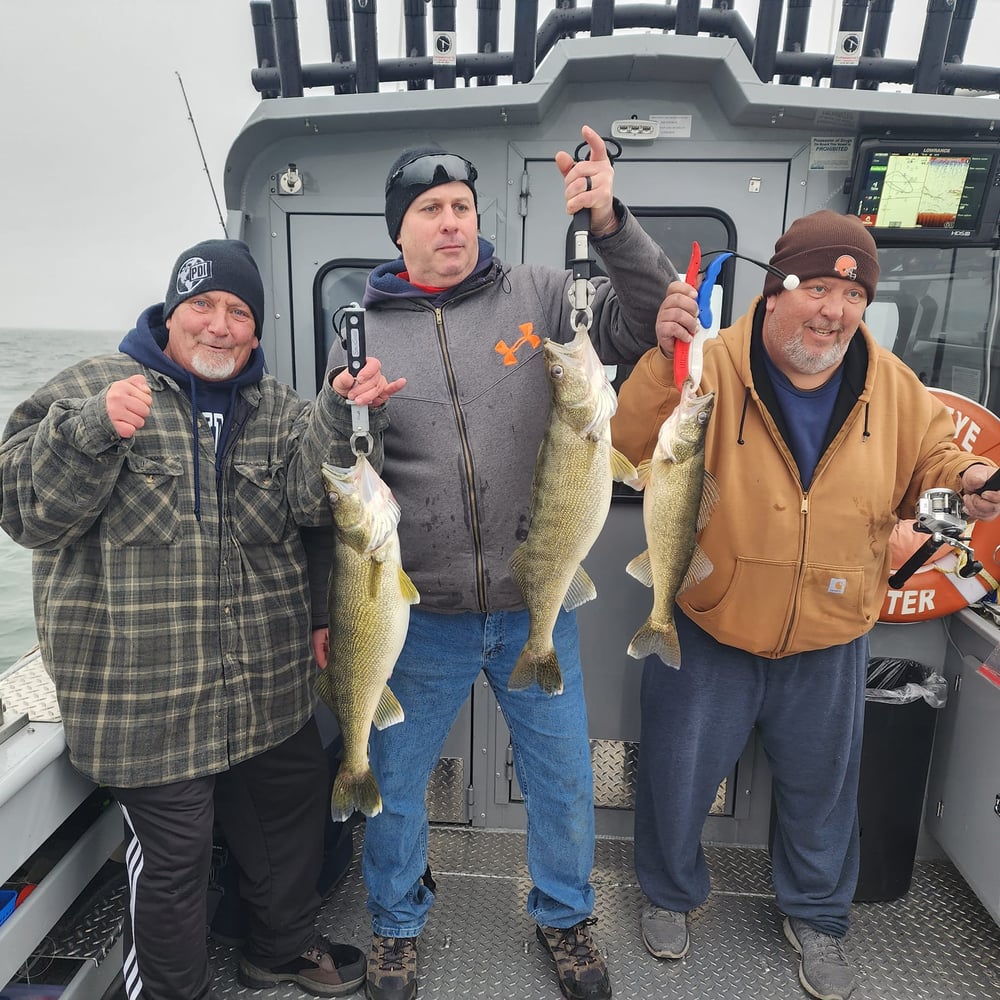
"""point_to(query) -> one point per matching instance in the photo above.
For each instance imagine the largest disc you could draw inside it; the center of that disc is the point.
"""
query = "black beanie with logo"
(217, 266)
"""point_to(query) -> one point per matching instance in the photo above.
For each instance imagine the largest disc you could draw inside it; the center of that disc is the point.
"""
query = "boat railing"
(356, 67)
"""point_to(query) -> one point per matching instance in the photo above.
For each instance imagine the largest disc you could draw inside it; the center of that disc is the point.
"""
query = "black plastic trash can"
(900, 705)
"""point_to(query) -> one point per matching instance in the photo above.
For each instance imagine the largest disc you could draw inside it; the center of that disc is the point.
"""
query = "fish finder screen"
(927, 192)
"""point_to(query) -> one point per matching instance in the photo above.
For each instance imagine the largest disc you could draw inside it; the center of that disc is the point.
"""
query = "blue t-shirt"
(807, 414)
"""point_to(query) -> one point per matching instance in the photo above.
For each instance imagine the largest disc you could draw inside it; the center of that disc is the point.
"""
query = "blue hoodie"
(214, 400)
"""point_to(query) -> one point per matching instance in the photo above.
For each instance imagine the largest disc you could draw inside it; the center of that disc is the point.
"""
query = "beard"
(212, 366)
(811, 363)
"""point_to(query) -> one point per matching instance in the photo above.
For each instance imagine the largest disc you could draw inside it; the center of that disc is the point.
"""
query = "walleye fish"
(680, 496)
(570, 499)
(369, 602)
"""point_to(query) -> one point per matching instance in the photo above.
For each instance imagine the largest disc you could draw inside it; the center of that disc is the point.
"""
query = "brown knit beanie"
(826, 245)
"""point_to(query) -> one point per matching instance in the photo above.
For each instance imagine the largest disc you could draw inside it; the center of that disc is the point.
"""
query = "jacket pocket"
(768, 610)
(259, 510)
(754, 609)
(143, 507)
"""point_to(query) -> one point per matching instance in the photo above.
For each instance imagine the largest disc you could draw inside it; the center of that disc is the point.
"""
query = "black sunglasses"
(432, 169)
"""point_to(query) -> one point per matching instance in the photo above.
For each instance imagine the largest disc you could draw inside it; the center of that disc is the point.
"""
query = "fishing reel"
(941, 515)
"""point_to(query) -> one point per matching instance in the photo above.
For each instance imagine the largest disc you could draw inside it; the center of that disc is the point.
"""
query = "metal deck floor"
(936, 943)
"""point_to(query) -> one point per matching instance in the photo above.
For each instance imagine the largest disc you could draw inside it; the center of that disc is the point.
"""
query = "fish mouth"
(379, 510)
(691, 402)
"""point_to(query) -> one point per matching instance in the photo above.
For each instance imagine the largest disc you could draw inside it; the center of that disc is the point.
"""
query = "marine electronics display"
(924, 192)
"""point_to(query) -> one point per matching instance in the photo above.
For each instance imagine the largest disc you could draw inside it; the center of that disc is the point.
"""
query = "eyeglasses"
(432, 169)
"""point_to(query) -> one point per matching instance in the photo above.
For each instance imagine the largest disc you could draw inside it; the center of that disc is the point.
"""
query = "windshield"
(936, 308)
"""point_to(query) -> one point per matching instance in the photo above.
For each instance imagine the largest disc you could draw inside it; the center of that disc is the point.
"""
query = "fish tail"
(661, 639)
(544, 669)
(354, 791)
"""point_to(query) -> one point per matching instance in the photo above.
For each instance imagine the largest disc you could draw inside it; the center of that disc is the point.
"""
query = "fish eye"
(556, 371)
(703, 417)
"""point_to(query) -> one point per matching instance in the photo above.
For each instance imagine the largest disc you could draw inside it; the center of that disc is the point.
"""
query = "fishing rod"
(201, 151)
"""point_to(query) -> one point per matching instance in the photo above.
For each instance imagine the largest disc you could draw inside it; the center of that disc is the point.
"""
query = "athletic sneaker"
(824, 971)
(665, 932)
(324, 969)
(582, 971)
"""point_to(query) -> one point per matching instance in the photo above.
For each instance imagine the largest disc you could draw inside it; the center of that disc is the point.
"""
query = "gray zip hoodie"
(464, 434)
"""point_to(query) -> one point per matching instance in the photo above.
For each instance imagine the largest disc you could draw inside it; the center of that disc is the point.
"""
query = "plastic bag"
(893, 681)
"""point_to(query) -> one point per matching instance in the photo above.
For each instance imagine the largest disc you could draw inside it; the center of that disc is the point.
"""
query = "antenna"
(201, 151)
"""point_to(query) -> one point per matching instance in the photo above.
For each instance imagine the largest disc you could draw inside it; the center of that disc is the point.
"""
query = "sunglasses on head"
(432, 169)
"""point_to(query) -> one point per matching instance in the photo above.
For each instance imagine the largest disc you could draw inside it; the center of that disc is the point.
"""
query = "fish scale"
(679, 496)
(571, 496)
(368, 602)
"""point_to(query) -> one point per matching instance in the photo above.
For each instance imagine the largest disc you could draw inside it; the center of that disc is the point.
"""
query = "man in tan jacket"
(819, 441)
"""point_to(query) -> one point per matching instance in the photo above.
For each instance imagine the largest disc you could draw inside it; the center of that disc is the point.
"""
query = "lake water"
(31, 358)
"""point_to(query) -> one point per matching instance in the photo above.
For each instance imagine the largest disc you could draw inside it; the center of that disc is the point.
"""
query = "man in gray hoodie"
(466, 329)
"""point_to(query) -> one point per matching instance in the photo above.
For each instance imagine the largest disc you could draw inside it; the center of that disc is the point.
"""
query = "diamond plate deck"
(936, 943)
(26, 687)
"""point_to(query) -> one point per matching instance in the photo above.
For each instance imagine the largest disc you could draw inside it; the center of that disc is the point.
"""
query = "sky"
(103, 183)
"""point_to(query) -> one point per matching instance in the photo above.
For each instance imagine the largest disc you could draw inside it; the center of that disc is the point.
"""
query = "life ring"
(936, 589)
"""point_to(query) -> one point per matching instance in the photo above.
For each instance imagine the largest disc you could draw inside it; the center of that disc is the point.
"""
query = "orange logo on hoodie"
(508, 353)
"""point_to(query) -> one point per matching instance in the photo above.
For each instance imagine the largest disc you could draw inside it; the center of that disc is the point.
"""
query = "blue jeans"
(440, 661)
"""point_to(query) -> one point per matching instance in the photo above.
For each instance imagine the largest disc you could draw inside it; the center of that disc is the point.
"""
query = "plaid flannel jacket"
(178, 646)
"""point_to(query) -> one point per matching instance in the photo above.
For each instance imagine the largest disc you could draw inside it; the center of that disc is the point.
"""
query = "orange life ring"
(936, 589)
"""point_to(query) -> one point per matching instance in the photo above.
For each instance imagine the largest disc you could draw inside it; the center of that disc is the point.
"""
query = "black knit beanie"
(826, 244)
(402, 186)
(217, 266)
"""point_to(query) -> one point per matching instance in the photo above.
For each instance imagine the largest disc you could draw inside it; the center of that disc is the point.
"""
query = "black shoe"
(324, 969)
(582, 971)
(392, 969)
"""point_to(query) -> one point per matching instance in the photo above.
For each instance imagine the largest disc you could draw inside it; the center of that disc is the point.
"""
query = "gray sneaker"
(824, 971)
(665, 932)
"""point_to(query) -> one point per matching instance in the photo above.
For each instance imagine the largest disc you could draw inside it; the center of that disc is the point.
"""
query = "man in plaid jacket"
(162, 490)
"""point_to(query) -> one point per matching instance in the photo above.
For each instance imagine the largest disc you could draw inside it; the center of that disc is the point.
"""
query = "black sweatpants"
(272, 810)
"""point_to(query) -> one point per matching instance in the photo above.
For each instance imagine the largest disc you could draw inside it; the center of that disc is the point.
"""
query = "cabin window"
(338, 283)
(936, 308)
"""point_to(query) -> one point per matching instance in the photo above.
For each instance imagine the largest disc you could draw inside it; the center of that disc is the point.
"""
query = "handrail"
(937, 67)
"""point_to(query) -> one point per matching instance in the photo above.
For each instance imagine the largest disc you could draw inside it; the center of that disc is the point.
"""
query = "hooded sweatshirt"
(798, 568)
(460, 452)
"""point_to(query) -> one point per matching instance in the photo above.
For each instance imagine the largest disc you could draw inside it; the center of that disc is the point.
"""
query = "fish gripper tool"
(352, 336)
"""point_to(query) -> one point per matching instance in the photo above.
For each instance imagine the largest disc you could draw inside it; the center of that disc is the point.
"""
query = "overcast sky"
(103, 183)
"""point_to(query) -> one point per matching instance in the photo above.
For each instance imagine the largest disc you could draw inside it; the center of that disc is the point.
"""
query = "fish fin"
(641, 568)
(709, 500)
(699, 568)
(622, 470)
(605, 404)
(324, 688)
(388, 711)
(544, 669)
(652, 637)
(581, 589)
(407, 589)
(354, 791)
(641, 474)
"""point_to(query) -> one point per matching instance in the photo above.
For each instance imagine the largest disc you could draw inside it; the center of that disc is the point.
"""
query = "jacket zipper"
(804, 514)
(477, 540)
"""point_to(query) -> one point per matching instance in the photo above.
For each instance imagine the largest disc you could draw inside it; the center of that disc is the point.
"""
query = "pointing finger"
(598, 149)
